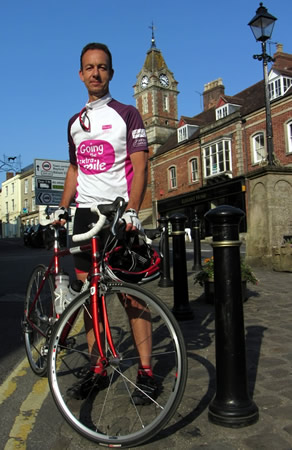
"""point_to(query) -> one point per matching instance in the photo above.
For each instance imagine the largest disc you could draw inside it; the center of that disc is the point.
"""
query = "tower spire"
(153, 44)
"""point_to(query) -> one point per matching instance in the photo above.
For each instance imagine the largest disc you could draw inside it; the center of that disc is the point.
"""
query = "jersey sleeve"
(72, 148)
(136, 133)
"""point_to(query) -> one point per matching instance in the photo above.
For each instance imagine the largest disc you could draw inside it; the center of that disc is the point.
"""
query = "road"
(29, 418)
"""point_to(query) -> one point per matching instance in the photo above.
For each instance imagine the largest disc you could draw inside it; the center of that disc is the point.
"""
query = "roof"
(154, 61)
(249, 100)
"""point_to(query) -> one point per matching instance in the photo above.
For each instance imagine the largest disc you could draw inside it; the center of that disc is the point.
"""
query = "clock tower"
(156, 99)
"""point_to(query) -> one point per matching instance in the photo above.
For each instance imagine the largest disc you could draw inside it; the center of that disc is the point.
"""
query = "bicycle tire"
(36, 323)
(109, 417)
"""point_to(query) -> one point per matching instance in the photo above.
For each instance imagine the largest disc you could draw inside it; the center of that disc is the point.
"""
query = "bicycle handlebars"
(103, 211)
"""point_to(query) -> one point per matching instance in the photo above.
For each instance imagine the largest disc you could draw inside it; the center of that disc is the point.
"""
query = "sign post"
(49, 181)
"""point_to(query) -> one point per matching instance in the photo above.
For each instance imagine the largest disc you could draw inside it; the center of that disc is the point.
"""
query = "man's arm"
(139, 183)
(68, 194)
(70, 186)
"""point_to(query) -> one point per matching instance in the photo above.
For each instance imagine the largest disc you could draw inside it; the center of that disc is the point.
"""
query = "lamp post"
(262, 27)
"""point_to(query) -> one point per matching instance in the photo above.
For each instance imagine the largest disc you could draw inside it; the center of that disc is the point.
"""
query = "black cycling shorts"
(82, 221)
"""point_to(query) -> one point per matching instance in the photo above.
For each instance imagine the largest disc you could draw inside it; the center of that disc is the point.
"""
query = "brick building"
(207, 160)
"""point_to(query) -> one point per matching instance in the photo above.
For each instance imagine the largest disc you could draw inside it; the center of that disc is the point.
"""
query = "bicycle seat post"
(56, 248)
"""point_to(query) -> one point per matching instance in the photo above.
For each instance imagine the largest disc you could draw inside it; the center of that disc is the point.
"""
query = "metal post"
(181, 308)
(269, 128)
(165, 280)
(232, 405)
(197, 243)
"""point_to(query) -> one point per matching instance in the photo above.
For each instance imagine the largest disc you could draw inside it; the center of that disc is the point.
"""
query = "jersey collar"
(99, 103)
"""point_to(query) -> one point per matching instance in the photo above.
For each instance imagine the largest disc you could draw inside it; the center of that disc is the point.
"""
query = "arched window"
(194, 170)
(172, 181)
(259, 148)
(289, 136)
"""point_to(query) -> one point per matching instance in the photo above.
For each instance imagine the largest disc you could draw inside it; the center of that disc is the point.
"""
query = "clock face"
(163, 80)
(144, 82)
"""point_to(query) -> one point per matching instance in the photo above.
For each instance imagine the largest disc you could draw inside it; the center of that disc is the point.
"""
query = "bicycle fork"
(99, 314)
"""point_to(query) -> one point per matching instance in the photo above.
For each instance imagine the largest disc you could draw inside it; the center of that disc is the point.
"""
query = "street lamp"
(262, 27)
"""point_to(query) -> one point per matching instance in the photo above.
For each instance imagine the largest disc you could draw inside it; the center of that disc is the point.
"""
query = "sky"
(41, 41)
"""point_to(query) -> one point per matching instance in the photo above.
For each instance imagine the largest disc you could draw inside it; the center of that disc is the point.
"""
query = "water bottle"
(73, 290)
(61, 291)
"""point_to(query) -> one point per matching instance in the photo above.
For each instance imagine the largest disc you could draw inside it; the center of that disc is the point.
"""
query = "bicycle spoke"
(108, 414)
(38, 310)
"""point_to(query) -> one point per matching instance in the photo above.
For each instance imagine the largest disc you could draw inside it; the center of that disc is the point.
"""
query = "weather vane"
(153, 45)
(10, 163)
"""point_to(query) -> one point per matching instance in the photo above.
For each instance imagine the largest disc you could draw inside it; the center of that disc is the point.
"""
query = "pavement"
(267, 321)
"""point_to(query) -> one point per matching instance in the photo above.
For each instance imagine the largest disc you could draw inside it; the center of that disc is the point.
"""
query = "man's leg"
(140, 321)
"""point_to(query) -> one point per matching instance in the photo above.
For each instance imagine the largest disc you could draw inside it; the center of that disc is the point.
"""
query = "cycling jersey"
(102, 154)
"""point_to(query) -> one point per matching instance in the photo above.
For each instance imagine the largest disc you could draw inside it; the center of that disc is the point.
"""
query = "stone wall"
(269, 215)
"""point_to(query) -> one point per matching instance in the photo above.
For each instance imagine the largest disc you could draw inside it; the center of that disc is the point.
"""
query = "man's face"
(96, 73)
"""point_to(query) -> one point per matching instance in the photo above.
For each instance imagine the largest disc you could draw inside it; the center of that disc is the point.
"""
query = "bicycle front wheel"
(109, 415)
(38, 311)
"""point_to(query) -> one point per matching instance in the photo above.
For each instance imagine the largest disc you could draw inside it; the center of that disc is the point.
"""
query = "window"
(194, 173)
(145, 103)
(222, 112)
(258, 145)
(225, 110)
(172, 177)
(25, 206)
(6, 207)
(26, 186)
(182, 134)
(33, 203)
(289, 136)
(6, 191)
(32, 184)
(12, 187)
(217, 158)
(186, 132)
(279, 86)
(13, 205)
(165, 102)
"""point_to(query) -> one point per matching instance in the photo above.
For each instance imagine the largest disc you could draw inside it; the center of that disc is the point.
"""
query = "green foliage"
(207, 272)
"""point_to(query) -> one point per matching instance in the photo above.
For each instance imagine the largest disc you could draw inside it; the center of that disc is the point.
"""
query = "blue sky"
(41, 41)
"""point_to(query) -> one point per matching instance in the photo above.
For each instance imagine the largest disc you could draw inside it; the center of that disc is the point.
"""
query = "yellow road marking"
(25, 421)
(30, 407)
(9, 386)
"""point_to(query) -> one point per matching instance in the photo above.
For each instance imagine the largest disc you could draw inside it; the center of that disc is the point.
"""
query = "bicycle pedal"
(70, 342)
(44, 350)
(25, 327)
(43, 318)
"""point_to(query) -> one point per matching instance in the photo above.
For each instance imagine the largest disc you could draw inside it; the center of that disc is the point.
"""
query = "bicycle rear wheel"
(38, 311)
(109, 416)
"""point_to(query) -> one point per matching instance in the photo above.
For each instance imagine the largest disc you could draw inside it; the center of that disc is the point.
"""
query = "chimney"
(9, 175)
(282, 61)
(212, 93)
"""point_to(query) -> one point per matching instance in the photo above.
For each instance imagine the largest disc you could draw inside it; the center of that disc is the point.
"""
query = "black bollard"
(165, 280)
(197, 243)
(231, 406)
(181, 308)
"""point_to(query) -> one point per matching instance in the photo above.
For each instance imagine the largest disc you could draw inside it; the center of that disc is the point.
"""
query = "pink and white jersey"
(103, 154)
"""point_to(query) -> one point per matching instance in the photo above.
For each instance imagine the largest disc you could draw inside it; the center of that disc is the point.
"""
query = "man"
(108, 158)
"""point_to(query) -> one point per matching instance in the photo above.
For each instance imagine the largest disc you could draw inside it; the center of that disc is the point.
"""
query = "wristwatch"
(132, 211)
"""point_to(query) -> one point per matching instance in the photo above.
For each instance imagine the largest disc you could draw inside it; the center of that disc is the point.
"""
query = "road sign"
(49, 180)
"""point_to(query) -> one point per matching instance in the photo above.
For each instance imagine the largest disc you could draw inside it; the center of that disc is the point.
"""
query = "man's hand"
(60, 216)
(132, 220)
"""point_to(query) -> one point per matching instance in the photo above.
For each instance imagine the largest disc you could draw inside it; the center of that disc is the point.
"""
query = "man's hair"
(96, 46)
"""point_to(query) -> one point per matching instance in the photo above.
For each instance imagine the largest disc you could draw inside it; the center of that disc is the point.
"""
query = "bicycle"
(39, 306)
(108, 415)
